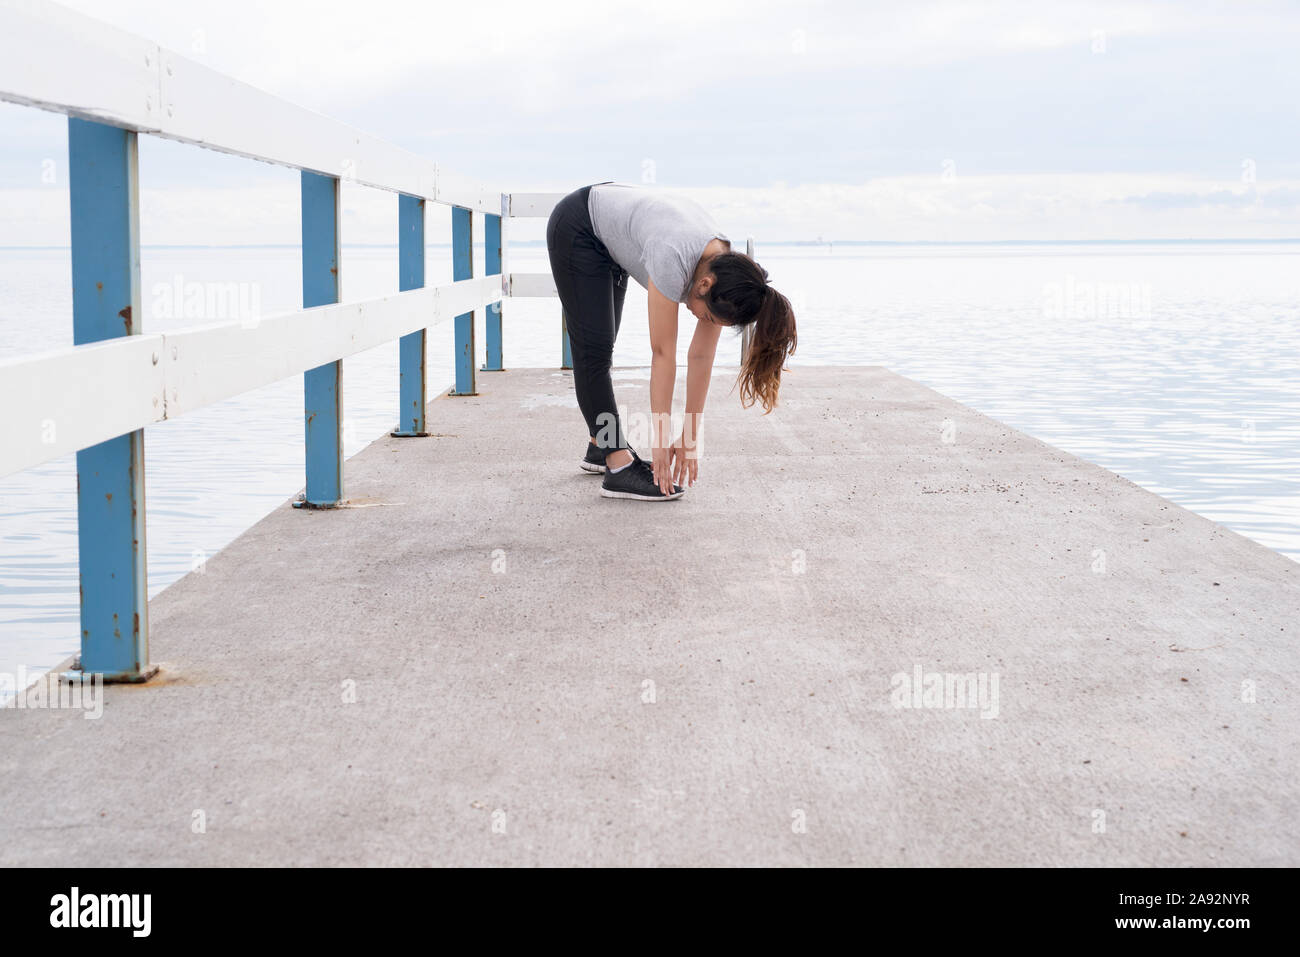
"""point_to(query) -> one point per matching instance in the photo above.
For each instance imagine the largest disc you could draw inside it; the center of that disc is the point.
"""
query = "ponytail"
(774, 340)
(740, 296)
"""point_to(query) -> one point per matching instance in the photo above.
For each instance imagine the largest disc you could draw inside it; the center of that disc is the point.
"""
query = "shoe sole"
(593, 468)
(642, 498)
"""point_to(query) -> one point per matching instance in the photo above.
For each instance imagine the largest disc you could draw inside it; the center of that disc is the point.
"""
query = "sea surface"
(1174, 365)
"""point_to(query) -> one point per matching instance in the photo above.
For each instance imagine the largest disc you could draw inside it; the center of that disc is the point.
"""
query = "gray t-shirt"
(657, 237)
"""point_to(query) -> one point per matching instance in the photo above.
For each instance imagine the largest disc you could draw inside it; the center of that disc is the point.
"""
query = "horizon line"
(1190, 241)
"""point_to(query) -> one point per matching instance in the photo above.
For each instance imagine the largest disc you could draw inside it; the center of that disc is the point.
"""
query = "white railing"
(130, 382)
(96, 398)
(55, 59)
(59, 60)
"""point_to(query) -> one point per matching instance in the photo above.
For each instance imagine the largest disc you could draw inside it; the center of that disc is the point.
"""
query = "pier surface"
(481, 661)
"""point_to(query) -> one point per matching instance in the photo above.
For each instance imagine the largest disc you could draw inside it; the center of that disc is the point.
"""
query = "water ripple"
(1191, 395)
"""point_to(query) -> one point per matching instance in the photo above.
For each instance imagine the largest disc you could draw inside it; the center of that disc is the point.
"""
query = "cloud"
(1062, 120)
(893, 208)
(1001, 207)
(1272, 198)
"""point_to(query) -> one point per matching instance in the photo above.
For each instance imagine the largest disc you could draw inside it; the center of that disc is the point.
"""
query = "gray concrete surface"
(506, 716)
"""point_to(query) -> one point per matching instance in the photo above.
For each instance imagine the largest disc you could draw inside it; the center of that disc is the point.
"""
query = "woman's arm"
(663, 376)
(699, 372)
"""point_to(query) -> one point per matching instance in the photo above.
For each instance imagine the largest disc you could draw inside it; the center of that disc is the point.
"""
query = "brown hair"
(740, 296)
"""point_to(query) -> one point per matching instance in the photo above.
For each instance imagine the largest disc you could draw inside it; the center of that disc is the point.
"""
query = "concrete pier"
(481, 661)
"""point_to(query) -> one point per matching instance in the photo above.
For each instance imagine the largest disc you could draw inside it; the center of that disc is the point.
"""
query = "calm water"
(1174, 366)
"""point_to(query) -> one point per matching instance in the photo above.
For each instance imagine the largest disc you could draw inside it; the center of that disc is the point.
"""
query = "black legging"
(592, 288)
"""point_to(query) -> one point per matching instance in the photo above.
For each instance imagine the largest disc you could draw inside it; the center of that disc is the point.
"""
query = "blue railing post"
(566, 353)
(103, 184)
(462, 266)
(492, 267)
(322, 386)
(410, 263)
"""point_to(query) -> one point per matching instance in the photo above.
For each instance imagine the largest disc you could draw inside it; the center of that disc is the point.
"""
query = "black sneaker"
(593, 460)
(637, 481)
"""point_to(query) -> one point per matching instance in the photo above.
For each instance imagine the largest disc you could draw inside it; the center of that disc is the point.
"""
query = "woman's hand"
(686, 463)
(661, 461)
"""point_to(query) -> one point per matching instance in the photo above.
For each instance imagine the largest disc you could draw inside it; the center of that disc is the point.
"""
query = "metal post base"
(128, 678)
(301, 502)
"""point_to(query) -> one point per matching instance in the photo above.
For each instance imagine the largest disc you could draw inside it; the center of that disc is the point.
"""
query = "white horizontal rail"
(55, 59)
(62, 401)
(521, 285)
(524, 285)
(532, 204)
(58, 402)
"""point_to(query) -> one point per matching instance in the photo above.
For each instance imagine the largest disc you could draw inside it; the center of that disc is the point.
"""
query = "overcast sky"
(848, 120)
